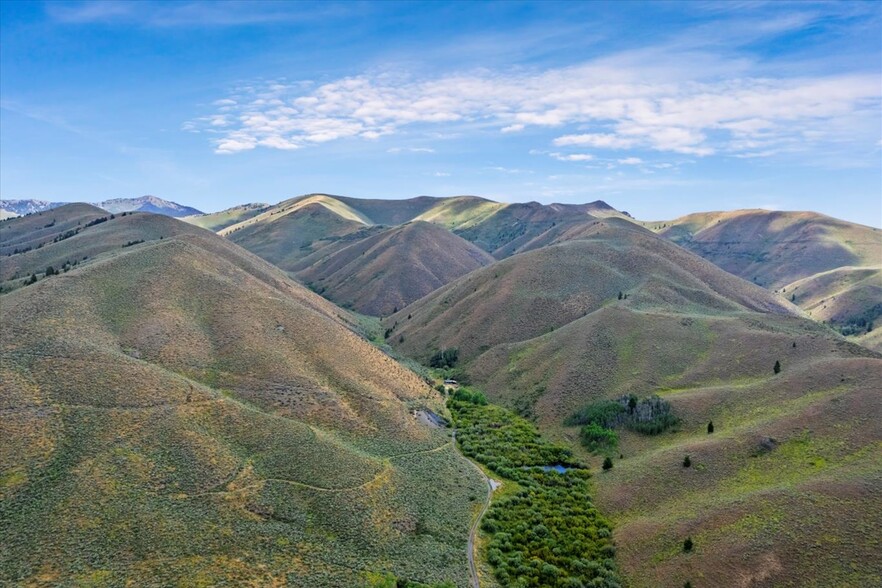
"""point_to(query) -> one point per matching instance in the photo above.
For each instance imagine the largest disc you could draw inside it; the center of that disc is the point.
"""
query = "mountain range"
(13, 208)
(236, 396)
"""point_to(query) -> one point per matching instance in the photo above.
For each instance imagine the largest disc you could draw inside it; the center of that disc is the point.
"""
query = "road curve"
(473, 568)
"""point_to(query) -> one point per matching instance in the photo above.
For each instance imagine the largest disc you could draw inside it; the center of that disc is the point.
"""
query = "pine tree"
(777, 367)
(687, 544)
(607, 464)
(710, 427)
(620, 294)
(687, 462)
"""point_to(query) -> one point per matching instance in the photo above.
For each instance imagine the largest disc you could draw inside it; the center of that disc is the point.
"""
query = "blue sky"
(657, 108)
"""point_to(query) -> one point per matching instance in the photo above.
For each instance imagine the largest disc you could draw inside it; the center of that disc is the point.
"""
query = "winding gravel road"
(473, 568)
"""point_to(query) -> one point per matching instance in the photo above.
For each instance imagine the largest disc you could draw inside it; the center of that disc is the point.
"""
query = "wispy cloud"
(616, 103)
(572, 156)
(410, 150)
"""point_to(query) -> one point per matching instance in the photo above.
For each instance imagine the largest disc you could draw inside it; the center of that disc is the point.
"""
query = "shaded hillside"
(147, 204)
(385, 272)
(72, 235)
(794, 459)
(779, 249)
(181, 411)
(847, 297)
(215, 221)
(390, 212)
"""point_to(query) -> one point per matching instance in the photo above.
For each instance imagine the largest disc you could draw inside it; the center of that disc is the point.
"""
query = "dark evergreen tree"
(607, 464)
(710, 427)
(777, 367)
(687, 544)
(687, 462)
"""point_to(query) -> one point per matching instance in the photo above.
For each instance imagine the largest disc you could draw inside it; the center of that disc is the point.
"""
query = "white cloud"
(439, 174)
(604, 141)
(572, 156)
(610, 104)
(410, 150)
(630, 161)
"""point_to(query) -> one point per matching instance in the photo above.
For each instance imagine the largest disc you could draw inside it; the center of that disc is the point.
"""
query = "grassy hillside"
(293, 205)
(74, 234)
(779, 250)
(181, 413)
(215, 221)
(785, 492)
(794, 459)
(460, 212)
(40, 228)
(293, 235)
(849, 298)
(774, 248)
(533, 293)
(384, 272)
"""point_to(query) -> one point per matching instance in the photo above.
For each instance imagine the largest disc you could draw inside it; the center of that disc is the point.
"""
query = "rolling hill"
(73, 234)
(179, 411)
(381, 273)
(795, 456)
(215, 221)
(783, 251)
(376, 256)
(545, 288)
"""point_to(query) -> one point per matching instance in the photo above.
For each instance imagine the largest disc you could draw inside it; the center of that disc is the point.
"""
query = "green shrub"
(548, 533)
(597, 438)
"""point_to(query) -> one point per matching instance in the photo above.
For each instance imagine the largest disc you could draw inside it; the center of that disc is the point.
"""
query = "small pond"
(549, 468)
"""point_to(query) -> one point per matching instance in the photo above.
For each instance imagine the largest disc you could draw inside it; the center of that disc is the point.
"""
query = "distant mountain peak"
(148, 203)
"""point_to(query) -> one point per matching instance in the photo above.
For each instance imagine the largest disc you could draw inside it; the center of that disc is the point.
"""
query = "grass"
(180, 413)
